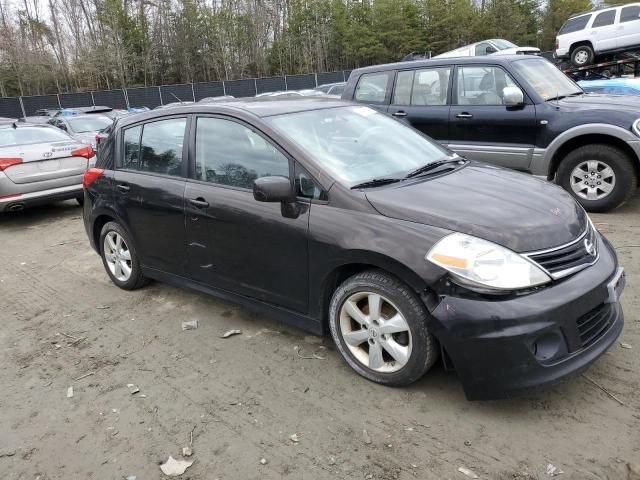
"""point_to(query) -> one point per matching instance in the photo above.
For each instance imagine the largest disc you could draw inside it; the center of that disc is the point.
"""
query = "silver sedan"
(40, 164)
(83, 128)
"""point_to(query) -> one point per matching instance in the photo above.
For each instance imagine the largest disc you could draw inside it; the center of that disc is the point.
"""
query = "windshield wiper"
(560, 97)
(433, 165)
(376, 182)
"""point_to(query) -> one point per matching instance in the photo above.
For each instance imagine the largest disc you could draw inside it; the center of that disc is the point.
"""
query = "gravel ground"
(237, 401)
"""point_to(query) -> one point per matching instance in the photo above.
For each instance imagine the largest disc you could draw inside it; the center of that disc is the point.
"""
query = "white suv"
(587, 35)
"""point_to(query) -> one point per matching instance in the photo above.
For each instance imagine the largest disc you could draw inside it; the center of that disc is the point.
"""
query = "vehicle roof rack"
(597, 9)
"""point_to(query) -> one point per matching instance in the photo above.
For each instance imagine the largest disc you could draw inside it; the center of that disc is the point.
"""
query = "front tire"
(582, 55)
(119, 257)
(601, 177)
(379, 325)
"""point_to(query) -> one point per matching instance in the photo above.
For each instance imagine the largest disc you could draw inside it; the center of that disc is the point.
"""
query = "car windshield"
(502, 44)
(545, 79)
(89, 124)
(26, 135)
(356, 143)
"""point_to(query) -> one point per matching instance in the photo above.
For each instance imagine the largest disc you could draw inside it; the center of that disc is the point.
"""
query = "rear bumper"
(14, 201)
(562, 52)
(507, 348)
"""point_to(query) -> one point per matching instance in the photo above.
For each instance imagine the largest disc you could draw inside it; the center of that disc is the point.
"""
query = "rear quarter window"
(575, 24)
(372, 88)
(629, 14)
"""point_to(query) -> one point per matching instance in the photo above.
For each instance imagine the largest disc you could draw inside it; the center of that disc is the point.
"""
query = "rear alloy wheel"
(380, 327)
(119, 257)
(582, 55)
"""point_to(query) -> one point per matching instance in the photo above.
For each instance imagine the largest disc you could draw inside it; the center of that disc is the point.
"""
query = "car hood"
(515, 210)
(600, 101)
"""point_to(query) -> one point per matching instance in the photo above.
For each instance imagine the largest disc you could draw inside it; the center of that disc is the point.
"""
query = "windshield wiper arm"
(433, 165)
(376, 182)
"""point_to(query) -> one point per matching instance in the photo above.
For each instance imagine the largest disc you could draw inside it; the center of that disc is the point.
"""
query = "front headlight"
(636, 127)
(484, 264)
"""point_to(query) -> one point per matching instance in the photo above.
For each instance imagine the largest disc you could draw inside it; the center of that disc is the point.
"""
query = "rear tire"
(602, 172)
(80, 200)
(582, 55)
(119, 257)
(379, 325)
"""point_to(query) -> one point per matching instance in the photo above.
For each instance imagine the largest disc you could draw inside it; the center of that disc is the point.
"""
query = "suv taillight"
(86, 152)
(8, 162)
(90, 176)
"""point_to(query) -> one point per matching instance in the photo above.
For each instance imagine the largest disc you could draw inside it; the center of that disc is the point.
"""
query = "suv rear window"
(372, 88)
(630, 13)
(605, 18)
(574, 24)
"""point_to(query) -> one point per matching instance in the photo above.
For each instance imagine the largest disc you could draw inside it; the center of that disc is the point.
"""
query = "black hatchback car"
(337, 218)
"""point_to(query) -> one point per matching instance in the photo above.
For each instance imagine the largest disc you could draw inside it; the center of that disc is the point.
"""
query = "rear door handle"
(199, 202)
(123, 187)
(399, 114)
(464, 115)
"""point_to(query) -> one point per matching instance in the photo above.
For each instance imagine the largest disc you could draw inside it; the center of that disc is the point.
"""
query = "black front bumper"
(502, 348)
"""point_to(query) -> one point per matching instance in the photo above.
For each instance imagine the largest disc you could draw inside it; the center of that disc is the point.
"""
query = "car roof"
(254, 106)
(434, 62)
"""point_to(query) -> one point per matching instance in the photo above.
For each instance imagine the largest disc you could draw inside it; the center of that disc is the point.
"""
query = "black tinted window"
(229, 153)
(160, 148)
(630, 13)
(605, 18)
(574, 24)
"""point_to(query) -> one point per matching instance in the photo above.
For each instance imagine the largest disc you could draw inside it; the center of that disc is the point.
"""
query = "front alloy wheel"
(375, 331)
(593, 180)
(379, 325)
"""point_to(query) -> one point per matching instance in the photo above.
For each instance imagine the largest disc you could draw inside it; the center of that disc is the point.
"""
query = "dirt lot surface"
(63, 324)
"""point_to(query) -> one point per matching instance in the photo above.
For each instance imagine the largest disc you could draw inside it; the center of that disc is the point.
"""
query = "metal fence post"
(24, 114)
(160, 92)
(126, 98)
(193, 92)
(255, 86)
(344, 77)
(59, 104)
(286, 87)
(93, 100)
(316, 76)
(224, 89)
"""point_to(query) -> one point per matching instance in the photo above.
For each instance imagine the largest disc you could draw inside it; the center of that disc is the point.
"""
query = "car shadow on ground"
(42, 213)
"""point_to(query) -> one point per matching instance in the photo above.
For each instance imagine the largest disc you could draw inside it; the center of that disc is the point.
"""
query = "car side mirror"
(512, 96)
(273, 189)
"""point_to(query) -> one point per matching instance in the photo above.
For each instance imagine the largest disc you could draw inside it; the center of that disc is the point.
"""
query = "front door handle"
(199, 202)
(464, 115)
(123, 187)
(399, 114)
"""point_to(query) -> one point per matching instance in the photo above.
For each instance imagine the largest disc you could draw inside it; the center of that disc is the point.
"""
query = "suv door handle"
(399, 114)
(464, 115)
(123, 187)
(199, 202)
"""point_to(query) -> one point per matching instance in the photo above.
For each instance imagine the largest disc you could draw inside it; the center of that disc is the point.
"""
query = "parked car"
(612, 86)
(70, 112)
(517, 111)
(5, 120)
(220, 98)
(332, 88)
(495, 46)
(339, 219)
(40, 164)
(83, 128)
(607, 29)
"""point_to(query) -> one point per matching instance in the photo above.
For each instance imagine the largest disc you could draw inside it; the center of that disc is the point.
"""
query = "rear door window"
(575, 24)
(372, 87)
(605, 18)
(158, 149)
(630, 13)
(428, 86)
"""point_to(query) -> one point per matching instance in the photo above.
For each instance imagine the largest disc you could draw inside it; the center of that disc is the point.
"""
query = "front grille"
(567, 259)
(593, 324)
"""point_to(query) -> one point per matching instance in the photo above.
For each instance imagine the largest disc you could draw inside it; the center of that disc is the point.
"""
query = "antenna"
(176, 97)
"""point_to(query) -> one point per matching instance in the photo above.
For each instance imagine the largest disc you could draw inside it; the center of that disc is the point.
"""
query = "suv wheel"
(119, 257)
(582, 55)
(380, 327)
(600, 177)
